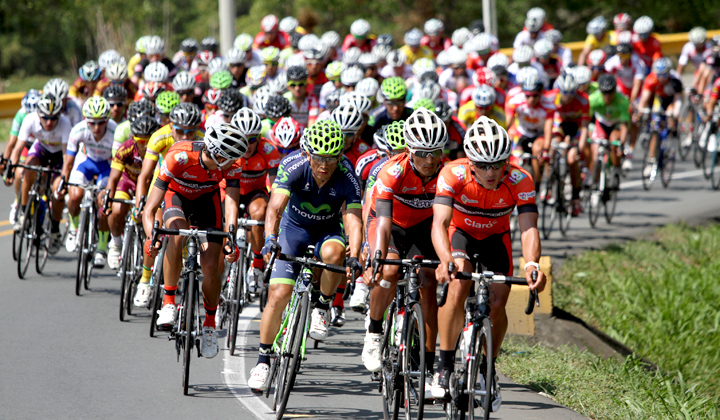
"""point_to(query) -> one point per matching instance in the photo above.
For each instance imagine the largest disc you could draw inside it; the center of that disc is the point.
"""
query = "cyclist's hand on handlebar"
(352, 265)
(231, 253)
(368, 277)
(267, 248)
(442, 272)
(538, 284)
(150, 249)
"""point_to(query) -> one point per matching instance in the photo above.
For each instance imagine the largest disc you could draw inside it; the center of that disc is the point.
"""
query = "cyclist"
(188, 188)
(644, 43)
(183, 59)
(695, 50)
(611, 111)
(457, 71)
(351, 123)
(483, 103)
(59, 89)
(523, 57)
(116, 96)
(230, 102)
(210, 100)
(598, 38)
(393, 109)
(124, 170)
(271, 59)
(45, 133)
(532, 32)
(155, 51)
(235, 59)
(270, 35)
(333, 72)
(96, 133)
(165, 103)
(305, 108)
(396, 66)
(139, 54)
(434, 38)
(475, 197)
(184, 84)
(84, 86)
(402, 213)
(559, 51)
(135, 110)
(359, 37)
(254, 80)
(552, 67)
(315, 184)
(480, 48)
(369, 62)
(412, 48)
(596, 62)
(570, 122)
(276, 107)
(629, 70)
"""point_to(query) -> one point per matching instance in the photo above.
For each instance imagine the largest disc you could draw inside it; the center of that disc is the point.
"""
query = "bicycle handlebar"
(245, 222)
(491, 277)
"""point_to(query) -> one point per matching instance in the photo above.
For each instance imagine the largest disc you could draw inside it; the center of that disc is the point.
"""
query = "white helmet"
(413, 37)
(543, 48)
(235, 56)
(360, 28)
(217, 64)
(184, 80)
(117, 70)
(498, 59)
(424, 130)
(381, 51)
(456, 56)
(225, 141)
(624, 37)
(486, 141)
(156, 72)
(423, 65)
(154, 45)
(247, 121)
(351, 75)
(582, 75)
(596, 26)
(317, 52)
(295, 60)
(357, 100)
(308, 42)
(480, 43)
(533, 24)
(331, 39)
(484, 96)
(269, 23)
(433, 27)
(108, 57)
(396, 58)
(367, 87)
(460, 36)
(536, 13)
(278, 85)
(596, 57)
(351, 56)
(697, 35)
(259, 99)
(243, 42)
(443, 58)
(526, 73)
(554, 36)
(566, 83)
(368, 59)
(348, 117)
(523, 54)
(288, 24)
(643, 25)
(57, 87)
(428, 89)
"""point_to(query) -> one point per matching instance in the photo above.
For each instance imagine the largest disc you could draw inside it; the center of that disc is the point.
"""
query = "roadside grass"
(659, 297)
(603, 389)
(5, 125)
(23, 84)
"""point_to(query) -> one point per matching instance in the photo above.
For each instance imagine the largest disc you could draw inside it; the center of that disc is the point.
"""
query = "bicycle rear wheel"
(481, 375)
(650, 165)
(390, 378)
(565, 204)
(93, 236)
(237, 305)
(549, 212)
(17, 234)
(42, 252)
(712, 144)
(715, 170)
(263, 297)
(686, 129)
(189, 329)
(157, 292)
(27, 233)
(413, 358)
(595, 195)
(125, 264)
(612, 185)
(668, 157)
(291, 363)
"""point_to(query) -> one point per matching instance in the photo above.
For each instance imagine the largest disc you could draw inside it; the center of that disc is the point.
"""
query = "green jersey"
(17, 122)
(609, 115)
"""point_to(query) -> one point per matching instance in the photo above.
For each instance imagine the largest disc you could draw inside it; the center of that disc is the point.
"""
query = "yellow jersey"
(467, 114)
(422, 52)
(610, 38)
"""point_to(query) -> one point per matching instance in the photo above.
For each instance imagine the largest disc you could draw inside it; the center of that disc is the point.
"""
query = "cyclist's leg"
(256, 204)
(496, 255)
(330, 248)
(125, 190)
(35, 157)
(173, 218)
(102, 170)
(616, 151)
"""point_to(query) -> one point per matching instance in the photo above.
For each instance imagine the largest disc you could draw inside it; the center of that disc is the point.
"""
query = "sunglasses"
(458, 67)
(422, 154)
(236, 65)
(270, 63)
(624, 56)
(349, 133)
(329, 160)
(50, 118)
(117, 104)
(532, 94)
(185, 130)
(253, 139)
(395, 103)
(296, 84)
(185, 92)
(487, 166)
(597, 68)
(284, 151)
(370, 67)
(97, 122)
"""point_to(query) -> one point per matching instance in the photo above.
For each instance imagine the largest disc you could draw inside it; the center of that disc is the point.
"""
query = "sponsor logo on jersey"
(187, 175)
(395, 171)
(501, 203)
(466, 200)
(362, 148)
(267, 148)
(516, 176)
(526, 195)
(382, 188)
(459, 172)
(332, 192)
(470, 222)
(315, 210)
(181, 158)
(234, 171)
(406, 189)
(442, 185)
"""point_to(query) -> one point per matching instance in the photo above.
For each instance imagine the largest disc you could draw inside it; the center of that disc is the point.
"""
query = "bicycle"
(689, 123)
(605, 184)
(34, 235)
(187, 329)
(235, 295)
(290, 342)
(472, 381)
(708, 144)
(664, 153)
(156, 285)
(402, 371)
(557, 202)
(131, 259)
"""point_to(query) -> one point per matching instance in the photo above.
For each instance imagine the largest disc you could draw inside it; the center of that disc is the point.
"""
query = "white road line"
(680, 175)
(234, 370)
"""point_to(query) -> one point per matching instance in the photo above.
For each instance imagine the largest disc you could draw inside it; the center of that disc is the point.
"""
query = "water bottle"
(399, 318)
(467, 337)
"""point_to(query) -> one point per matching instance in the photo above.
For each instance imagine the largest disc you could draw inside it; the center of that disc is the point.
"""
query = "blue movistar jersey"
(309, 204)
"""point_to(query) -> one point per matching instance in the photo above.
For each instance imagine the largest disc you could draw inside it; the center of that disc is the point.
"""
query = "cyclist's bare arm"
(113, 180)
(383, 230)
(531, 249)
(442, 215)
(584, 131)
(67, 165)
(275, 209)
(232, 205)
(623, 132)
(637, 85)
(353, 228)
(143, 181)
(152, 205)
(710, 106)
(547, 131)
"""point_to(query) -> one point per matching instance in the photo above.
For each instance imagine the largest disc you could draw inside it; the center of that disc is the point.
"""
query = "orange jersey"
(256, 169)
(411, 200)
(183, 172)
(478, 211)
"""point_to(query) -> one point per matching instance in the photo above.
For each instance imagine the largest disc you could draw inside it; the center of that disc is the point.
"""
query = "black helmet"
(186, 115)
(443, 110)
(476, 27)
(297, 73)
(295, 39)
(189, 46)
(607, 83)
(429, 75)
(624, 49)
(144, 107)
(385, 39)
(230, 101)
(115, 93)
(144, 126)
(500, 71)
(277, 106)
(209, 44)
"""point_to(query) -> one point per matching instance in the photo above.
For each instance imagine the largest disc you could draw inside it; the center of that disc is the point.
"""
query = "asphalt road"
(69, 357)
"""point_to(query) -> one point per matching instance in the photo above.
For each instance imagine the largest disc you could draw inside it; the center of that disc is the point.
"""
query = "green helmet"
(333, 70)
(393, 88)
(324, 138)
(270, 54)
(425, 103)
(221, 79)
(140, 44)
(96, 108)
(394, 135)
(166, 101)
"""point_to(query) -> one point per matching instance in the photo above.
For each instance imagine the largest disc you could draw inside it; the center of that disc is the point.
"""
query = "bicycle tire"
(649, 169)
(291, 365)
(685, 129)
(708, 155)
(456, 407)
(612, 186)
(595, 195)
(263, 297)
(43, 248)
(565, 209)
(93, 238)
(413, 357)
(390, 379)
(237, 307)
(158, 281)
(668, 158)
(189, 327)
(548, 208)
(82, 255)
(15, 243)
(136, 267)
(715, 170)
(701, 146)
(26, 238)
(124, 268)
(481, 345)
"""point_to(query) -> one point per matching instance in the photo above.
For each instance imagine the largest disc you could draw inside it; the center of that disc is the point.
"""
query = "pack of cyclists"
(367, 147)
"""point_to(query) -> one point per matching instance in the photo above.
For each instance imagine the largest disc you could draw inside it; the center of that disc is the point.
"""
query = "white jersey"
(514, 68)
(690, 53)
(216, 118)
(97, 151)
(73, 112)
(524, 38)
(389, 71)
(626, 75)
(31, 131)
(565, 55)
(448, 80)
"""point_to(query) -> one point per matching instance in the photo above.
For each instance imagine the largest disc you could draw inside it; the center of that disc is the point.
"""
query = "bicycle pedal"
(375, 376)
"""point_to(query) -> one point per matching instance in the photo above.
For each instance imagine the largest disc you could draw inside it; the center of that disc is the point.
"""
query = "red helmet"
(211, 96)
(483, 76)
(597, 58)
(151, 90)
(622, 21)
(269, 23)
(204, 57)
(286, 133)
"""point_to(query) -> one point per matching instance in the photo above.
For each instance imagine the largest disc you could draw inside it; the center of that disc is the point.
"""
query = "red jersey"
(350, 42)
(183, 172)
(478, 211)
(358, 149)
(257, 167)
(577, 111)
(529, 121)
(648, 50)
(364, 164)
(715, 90)
(399, 183)
(262, 41)
(466, 96)
(315, 85)
(444, 44)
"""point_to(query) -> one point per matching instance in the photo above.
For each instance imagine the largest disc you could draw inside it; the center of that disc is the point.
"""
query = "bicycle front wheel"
(237, 297)
(667, 160)
(291, 363)
(549, 211)
(715, 170)
(612, 185)
(189, 328)
(595, 195)
(27, 234)
(125, 263)
(157, 292)
(481, 375)
(391, 386)
(413, 358)
(650, 165)
(686, 129)
(712, 144)
(43, 247)
(82, 252)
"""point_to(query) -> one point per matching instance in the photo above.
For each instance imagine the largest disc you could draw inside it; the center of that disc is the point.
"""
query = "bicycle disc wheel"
(413, 358)
(715, 170)
(649, 168)
(189, 328)
(42, 252)
(612, 185)
(26, 238)
(157, 292)
(481, 375)
(124, 270)
(291, 365)
(391, 381)
(669, 156)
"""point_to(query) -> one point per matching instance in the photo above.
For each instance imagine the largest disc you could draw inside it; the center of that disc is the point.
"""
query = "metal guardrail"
(671, 44)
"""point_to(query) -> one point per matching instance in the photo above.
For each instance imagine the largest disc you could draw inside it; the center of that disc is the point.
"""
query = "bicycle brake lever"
(533, 298)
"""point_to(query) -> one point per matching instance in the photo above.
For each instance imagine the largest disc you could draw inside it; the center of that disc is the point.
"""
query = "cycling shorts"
(248, 198)
(411, 241)
(525, 143)
(495, 251)
(125, 189)
(602, 132)
(47, 159)
(567, 128)
(87, 170)
(294, 240)
(204, 212)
